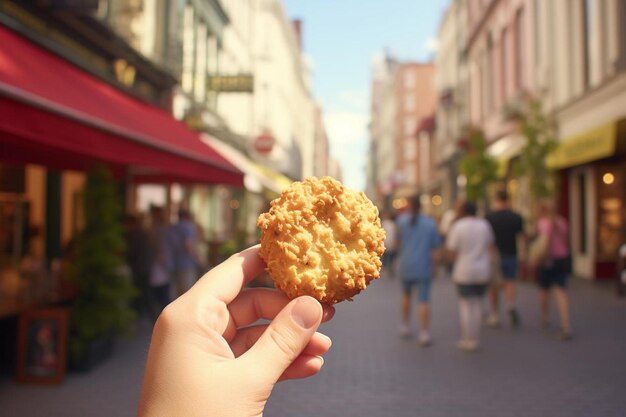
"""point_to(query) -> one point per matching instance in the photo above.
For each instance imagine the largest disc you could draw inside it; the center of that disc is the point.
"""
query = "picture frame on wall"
(42, 346)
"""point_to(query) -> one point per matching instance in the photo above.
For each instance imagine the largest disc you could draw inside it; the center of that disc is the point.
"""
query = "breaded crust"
(322, 239)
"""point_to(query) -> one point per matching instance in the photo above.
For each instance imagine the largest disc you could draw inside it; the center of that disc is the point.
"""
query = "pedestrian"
(391, 241)
(187, 260)
(554, 266)
(469, 244)
(507, 227)
(162, 270)
(138, 260)
(418, 238)
(218, 362)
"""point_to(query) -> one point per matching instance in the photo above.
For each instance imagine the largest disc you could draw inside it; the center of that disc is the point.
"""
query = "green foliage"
(478, 167)
(539, 130)
(104, 288)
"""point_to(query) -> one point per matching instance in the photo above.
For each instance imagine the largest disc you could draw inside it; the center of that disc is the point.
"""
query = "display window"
(611, 186)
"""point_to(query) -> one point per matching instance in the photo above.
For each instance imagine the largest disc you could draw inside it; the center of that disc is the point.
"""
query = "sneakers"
(468, 345)
(565, 336)
(425, 340)
(405, 331)
(514, 316)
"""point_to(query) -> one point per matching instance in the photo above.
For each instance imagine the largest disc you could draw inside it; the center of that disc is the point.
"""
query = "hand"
(204, 362)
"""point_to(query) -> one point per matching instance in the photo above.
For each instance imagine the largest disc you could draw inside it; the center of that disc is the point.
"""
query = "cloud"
(346, 118)
(431, 44)
(346, 127)
(347, 133)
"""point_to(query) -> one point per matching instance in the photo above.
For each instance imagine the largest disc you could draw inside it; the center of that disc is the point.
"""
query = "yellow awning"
(593, 144)
(279, 179)
(257, 178)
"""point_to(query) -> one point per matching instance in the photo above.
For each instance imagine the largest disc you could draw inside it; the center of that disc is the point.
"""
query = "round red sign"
(264, 143)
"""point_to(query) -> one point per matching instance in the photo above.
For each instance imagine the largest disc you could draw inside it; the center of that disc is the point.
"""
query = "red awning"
(54, 114)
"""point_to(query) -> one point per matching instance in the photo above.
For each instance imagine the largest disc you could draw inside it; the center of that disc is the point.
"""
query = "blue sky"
(341, 37)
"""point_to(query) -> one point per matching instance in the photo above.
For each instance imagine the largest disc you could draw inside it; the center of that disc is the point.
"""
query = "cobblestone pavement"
(370, 371)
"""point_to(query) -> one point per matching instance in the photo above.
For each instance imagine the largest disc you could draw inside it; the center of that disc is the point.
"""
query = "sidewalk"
(371, 372)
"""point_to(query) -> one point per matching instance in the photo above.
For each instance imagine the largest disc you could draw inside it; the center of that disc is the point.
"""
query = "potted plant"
(104, 288)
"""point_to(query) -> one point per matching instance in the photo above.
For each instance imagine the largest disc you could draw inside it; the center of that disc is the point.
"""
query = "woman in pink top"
(555, 268)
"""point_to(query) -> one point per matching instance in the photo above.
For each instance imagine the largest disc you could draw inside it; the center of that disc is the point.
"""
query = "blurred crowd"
(482, 254)
(163, 257)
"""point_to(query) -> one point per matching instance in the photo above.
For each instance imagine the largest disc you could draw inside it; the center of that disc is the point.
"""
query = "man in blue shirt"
(187, 260)
(418, 238)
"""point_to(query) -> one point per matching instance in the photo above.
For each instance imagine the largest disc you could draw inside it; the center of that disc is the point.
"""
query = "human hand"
(204, 362)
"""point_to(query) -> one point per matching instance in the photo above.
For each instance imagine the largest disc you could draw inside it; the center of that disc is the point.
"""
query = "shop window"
(12, 179)
(15, 233)
(582, 205)
(610, 211)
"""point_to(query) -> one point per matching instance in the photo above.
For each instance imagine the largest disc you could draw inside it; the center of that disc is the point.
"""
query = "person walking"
(187, 260)
(162, 248)
(554, 267)
(391, 241)
(418, 238)
(507, 226)
(469, 245)
(139, 262)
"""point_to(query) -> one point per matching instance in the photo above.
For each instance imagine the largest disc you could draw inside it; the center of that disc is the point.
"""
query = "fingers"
(303, 367)
(227, 279)
(246, 338)
(285, 338)
(260, 303)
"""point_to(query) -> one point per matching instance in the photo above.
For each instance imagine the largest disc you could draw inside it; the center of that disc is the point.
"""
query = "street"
(370, 371)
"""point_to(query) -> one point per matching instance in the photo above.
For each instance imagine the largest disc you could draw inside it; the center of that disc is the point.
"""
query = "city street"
(370, 371)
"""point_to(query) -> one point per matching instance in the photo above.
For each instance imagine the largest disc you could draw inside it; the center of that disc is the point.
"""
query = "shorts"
(555, 274)
(423, 289)
(508, 266)
(471, 290)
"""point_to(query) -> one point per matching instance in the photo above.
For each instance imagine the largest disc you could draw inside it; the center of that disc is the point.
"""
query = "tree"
(101, 307)
(479, 168)
(539, 130)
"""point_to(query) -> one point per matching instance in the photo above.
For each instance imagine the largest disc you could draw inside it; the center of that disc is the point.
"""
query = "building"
(403, 95)
(584, 80)
(284, 105)
(244, 81)
(499, 76)
(452, 114)
(573, 60)
(322, 146)
(415, 99)
(74, 95)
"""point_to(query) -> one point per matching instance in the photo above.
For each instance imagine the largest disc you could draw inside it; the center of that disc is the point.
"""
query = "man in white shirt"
(469, 244)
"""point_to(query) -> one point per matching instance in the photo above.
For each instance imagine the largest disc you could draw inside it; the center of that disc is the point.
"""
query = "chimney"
(297, 26)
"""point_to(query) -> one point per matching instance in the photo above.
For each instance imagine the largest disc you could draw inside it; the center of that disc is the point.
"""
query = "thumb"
(285, 338)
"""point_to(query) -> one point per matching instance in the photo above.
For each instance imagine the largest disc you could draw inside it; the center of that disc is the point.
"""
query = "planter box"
(97, 351)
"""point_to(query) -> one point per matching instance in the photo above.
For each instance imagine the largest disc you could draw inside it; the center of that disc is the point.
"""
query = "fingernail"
(306, 313)
(321, 360)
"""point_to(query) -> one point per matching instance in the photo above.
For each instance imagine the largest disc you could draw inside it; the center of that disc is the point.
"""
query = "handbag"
(538, 251)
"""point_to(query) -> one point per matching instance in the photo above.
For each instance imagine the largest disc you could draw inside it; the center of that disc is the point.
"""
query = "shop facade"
(592, 172)
(67, 104)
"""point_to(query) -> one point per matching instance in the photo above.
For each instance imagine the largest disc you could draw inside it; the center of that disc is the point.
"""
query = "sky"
(341, 37)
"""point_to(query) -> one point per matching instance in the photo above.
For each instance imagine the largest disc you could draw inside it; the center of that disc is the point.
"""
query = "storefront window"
(610, 211)
(582, 205)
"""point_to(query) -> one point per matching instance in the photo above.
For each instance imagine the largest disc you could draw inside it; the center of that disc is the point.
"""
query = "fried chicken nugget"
(321, 239)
